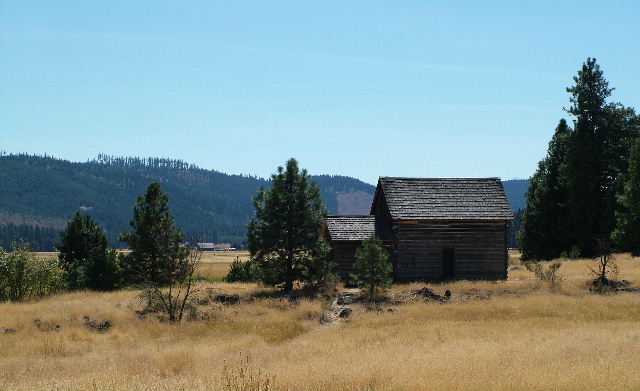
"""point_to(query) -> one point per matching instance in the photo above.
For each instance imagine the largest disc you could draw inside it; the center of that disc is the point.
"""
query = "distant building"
(215, 247)
(433, 228)
(206, 246)
(223, 247)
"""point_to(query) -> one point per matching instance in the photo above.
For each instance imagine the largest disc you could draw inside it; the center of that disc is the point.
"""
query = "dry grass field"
(515, 334)
(214, 266)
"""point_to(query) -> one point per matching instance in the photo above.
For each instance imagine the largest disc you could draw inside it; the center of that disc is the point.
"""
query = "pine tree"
(84, 253)
(627, 232)
(585, 160)
(286, 226)
(597, 155)
(372, 269)
(157, 256)
(541, 236)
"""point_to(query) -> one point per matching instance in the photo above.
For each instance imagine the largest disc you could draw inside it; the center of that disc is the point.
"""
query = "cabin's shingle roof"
(357, 227)
(445, 198)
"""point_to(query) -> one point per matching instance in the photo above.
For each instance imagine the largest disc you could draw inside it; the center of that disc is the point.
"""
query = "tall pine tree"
(540, 236)
(285, 231)
(585, 160)
(157, 256)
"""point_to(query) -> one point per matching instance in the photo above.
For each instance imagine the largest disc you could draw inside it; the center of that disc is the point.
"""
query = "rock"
(9, 330)
(95, 326)
(346, 298)
(45, 326)
(428, 294)
(202, 301)
(344, 312)
(227, 299)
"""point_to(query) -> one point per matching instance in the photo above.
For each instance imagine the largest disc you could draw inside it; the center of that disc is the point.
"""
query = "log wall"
(344, 255)
(480, 250)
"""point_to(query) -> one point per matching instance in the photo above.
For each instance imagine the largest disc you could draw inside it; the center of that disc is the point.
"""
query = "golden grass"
(506, 335)
(214, 266)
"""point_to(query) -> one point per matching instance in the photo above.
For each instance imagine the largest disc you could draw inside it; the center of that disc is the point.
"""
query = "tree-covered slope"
(39, 194)
(516, 189)
(208, 205)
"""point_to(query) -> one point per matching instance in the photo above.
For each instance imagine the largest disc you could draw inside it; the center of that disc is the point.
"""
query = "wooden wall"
(480, 250)
(344, 255)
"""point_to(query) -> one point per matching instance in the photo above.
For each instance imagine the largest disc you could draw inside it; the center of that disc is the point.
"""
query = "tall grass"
(506, 335)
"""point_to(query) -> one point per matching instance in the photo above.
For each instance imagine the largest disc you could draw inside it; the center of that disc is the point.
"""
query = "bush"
(22, 276)
(547, 275)
(84, 254)
(318, 271)
(175, 299)
(372, 269)
(574, 253)
(239, 271)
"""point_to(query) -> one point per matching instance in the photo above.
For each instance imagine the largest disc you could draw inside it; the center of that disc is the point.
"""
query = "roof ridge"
(350, 215)
(439, 178)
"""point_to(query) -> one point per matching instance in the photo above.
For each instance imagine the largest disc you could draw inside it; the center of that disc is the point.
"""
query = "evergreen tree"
(372, 269)
(287, 222)
(157, 256)
(541, 236)
(585, 160)
(319, 268)
(84, 253)
(627, 233)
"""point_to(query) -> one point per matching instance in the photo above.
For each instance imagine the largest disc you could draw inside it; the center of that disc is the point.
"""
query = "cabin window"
(448, 263)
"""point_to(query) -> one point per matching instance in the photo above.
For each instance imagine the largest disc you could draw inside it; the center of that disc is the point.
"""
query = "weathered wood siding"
(344, 255)
(480, 250)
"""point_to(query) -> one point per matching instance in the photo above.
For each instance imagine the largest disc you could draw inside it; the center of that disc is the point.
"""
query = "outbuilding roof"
(444, 198)
(357, 227)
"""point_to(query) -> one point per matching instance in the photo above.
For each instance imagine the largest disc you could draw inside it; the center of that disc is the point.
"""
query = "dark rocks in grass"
(346, 298)
(227, 299)
(430, 295)
(344, 312)
(9, 330)
(100, 327)
(202, 301)
(46, 326)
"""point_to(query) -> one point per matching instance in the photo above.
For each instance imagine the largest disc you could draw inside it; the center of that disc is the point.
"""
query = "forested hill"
(39, 194)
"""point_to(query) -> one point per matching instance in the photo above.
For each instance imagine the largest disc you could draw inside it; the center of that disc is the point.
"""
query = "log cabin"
(435, 229)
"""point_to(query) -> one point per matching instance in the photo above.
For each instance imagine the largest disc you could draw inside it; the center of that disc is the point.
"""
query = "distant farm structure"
(215, 247)
(435, 229)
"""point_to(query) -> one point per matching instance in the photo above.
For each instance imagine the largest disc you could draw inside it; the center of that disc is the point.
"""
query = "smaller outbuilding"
(346, 233)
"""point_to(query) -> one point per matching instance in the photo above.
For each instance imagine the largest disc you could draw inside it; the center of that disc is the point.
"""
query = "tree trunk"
(288, 284)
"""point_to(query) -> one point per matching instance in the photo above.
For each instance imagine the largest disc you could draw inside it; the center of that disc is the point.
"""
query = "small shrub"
(175, 299)
(372, 269)
(547, 275)
(605, 270)
(573, 253)
(239, 271)
(22, 276)
(318, 271)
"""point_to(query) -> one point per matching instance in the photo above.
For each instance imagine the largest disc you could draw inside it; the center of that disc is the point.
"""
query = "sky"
(357, 88)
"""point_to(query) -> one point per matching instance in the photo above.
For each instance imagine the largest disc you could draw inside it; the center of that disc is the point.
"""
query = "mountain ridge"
(40, 193)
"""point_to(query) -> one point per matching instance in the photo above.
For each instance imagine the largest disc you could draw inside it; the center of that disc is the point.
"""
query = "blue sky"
(359, 88)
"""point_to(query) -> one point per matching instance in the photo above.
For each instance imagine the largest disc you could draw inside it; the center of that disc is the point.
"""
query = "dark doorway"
(448, 263)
